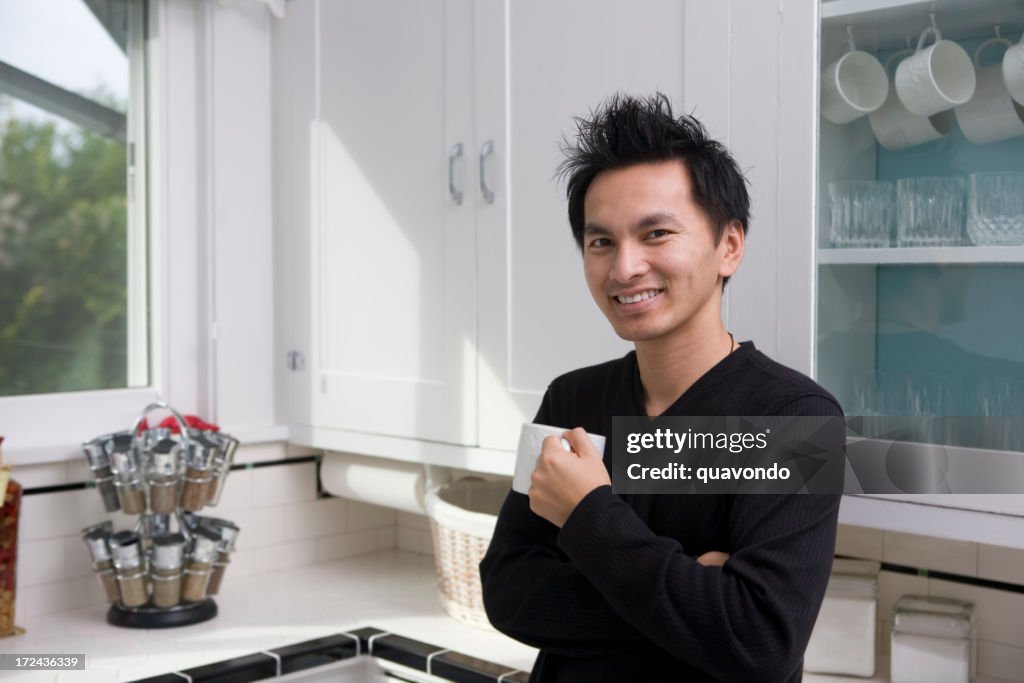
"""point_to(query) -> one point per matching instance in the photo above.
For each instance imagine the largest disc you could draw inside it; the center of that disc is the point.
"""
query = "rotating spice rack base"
(144, 552)
(162, 617)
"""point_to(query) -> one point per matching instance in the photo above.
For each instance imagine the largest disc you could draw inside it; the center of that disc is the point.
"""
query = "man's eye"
(599, 242)
(655, 234)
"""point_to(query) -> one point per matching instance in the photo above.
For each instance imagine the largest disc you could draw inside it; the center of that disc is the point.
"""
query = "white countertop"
(392, 590)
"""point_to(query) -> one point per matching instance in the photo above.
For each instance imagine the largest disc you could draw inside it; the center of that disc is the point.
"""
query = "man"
(659, 587)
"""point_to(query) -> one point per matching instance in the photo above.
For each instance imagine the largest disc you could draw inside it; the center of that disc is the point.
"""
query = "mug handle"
(931, 30)
(987, 43)
(897, 55)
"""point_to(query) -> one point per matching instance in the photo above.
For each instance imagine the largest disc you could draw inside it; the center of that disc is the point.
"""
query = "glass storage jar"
(843, 640)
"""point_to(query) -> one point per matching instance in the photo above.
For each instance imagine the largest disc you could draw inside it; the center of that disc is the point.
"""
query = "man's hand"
(562, 479)
(713, 558)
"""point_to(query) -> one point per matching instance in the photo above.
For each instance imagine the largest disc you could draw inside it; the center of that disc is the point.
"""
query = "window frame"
(47, 428)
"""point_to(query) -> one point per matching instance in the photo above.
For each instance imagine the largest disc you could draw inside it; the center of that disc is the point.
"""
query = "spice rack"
(164, 571)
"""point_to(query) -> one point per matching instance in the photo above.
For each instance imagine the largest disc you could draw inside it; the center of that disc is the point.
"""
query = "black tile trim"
(945, 576)
(316, 652)
(254, 667)
(462, 668)
(78, 485)
(415, 654)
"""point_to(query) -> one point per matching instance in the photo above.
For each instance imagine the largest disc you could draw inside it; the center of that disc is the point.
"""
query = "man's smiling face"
(649, 255)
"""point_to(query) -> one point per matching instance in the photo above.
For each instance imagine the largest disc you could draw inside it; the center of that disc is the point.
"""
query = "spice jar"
(228, 534)
(932, 640)
(198, 473)
(199, 565)
(131, 571)
(843, 640)
(99, 464)
(96, 539)
(130, 491)
(166, 568)
(162, 477)
(222, 461)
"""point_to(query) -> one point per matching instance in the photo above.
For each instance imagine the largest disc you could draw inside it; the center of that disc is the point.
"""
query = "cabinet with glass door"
(920, 229)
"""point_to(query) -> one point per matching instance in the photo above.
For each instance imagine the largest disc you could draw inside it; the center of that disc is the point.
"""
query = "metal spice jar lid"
(95, 539)
(96, 452)
(168, 551)
(204, 545)
(125, 546)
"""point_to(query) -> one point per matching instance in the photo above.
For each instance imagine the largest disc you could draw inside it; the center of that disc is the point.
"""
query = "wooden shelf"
(934, 255)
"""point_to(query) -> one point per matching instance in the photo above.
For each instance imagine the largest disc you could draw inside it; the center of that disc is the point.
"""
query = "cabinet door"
(392, 254)
(537, 319)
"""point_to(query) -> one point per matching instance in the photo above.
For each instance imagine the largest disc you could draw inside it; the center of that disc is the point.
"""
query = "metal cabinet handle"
(485, 152)
(455, 192)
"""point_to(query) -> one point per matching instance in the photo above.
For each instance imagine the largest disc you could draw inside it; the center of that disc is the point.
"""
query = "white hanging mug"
(1013, 71)
(935, 78)
(897, 128)
(991, 115)
(852, 86)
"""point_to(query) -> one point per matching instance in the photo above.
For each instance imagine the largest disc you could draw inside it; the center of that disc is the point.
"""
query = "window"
(74, 312)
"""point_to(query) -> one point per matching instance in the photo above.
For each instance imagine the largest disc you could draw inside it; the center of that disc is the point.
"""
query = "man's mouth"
(637, 298)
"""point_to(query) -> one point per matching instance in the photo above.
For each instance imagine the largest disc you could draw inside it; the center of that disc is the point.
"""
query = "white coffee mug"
(992, 114)
(531, 440)
(852, 86)
(1013, 71)
(935, 78)
(897, 128)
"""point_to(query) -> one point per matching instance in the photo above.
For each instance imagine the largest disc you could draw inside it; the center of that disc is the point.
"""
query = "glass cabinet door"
(920, 279)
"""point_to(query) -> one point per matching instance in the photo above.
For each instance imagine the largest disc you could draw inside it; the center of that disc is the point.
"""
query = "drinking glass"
(995, 211)
(930, 212)
(862, 213)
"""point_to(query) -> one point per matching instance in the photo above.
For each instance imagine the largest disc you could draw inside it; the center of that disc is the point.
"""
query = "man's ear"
(730, 248)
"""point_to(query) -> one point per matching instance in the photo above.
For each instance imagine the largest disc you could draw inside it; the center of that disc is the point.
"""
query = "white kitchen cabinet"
(430, 327)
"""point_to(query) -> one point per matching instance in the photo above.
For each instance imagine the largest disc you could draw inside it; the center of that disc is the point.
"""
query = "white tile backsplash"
(910, 550)
(321, 517)
(1001, 564)
(998, 615)
(41, 561)
(282, 485)
(62, 513)
(1000, 661)
(346, 545)
(859, 541)
(362, 516)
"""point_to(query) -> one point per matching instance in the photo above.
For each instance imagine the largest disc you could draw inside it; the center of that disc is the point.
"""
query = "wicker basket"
(462, 516)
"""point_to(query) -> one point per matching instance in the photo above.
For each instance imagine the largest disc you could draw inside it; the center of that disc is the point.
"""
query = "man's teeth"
(642, 296)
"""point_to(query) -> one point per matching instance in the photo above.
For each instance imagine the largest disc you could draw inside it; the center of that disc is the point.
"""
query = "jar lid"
(168, 550)
(125, 546)
(155, 525)
(96, 452)
(204, 545)
(95, 540)
(163, 457)
(201, 451)
(942, 617)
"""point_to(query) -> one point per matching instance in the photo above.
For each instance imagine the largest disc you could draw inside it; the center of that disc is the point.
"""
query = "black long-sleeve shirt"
(617, 594)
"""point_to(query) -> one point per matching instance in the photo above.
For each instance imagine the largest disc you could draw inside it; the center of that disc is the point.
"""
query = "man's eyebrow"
(648, 221)
(657, 218)
(593, 229)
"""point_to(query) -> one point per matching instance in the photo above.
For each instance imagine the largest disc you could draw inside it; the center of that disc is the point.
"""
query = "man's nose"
(629, 263)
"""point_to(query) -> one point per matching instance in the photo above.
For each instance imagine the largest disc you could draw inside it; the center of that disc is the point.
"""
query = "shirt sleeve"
(534, 593)
(747, 621)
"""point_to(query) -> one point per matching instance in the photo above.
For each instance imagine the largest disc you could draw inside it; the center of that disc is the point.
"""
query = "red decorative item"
(192, 421)
(10, 505)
